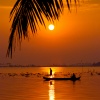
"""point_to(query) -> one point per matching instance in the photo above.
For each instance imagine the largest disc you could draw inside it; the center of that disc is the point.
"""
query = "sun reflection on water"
(51, 91)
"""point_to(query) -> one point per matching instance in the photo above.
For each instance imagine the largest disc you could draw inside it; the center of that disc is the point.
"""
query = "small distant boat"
(58, 78)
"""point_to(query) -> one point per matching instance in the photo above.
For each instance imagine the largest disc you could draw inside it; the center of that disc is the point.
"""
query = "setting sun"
(51, 27)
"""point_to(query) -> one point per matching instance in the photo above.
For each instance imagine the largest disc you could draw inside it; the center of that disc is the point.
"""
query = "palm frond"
(31, 13)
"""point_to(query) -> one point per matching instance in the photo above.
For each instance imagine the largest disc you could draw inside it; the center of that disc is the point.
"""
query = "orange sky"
(75, 38)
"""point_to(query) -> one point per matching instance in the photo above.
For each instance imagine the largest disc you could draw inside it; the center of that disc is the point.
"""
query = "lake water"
(26, 83)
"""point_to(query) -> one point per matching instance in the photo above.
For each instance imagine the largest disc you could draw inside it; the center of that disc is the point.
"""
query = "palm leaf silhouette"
(31, 13)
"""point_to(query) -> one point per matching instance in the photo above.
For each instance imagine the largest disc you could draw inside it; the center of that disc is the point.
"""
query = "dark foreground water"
(27, 84)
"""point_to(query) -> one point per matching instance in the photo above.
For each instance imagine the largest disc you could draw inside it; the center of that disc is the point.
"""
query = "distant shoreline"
(49, 66)
(97, 64)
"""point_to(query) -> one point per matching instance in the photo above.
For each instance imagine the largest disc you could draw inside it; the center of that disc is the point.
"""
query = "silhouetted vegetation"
(30, 14)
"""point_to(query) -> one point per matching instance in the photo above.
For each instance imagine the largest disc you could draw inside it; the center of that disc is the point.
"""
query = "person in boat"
(50, 71)
(73, 76)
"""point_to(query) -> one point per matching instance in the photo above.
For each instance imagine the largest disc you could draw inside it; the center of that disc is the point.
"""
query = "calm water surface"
(15, 84)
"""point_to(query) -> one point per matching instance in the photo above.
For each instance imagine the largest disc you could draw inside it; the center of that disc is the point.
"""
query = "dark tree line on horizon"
(96, 64)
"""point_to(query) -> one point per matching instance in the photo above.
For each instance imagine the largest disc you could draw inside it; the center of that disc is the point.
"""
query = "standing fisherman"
(50, 71)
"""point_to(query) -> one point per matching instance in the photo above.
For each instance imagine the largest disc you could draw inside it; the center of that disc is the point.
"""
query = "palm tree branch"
(29, 13)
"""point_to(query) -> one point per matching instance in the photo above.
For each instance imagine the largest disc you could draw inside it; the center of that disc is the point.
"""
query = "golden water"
(33, 87)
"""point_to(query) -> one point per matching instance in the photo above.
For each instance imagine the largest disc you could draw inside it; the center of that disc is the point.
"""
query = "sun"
(51, 27)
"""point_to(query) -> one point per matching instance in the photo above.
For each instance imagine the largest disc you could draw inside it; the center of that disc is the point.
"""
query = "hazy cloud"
(5, 7)
(85, 5)
(88, 5)
(94, 1)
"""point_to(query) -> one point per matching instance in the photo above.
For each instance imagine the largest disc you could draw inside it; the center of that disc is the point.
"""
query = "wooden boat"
(57, 78)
